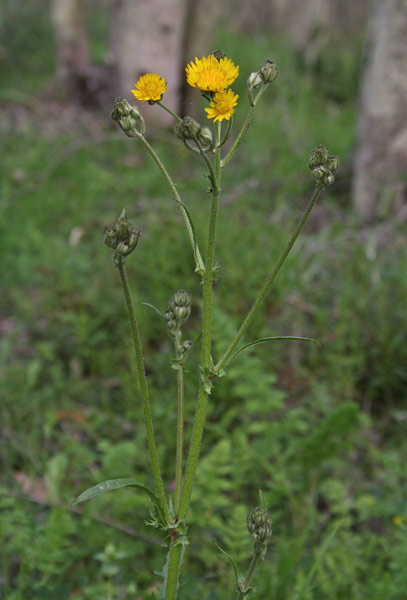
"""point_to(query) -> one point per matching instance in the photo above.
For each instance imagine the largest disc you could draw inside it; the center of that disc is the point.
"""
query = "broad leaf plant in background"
(212, 76)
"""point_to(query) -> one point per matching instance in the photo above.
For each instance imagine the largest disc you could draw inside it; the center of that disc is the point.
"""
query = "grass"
(321, 432)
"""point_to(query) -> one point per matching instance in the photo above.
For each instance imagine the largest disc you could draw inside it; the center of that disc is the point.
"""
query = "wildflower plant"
(212, 75)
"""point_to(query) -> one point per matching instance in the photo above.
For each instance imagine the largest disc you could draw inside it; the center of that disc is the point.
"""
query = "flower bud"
(122, 237)
(268, 71)
(259, 524)
(186, 346)
(127, 116)
(323, 175)
(218, 54)
(323, 165)
(170, 318)
(255, 80)
(180, 306)
(205, 136)
(319, 156)
(187, 129)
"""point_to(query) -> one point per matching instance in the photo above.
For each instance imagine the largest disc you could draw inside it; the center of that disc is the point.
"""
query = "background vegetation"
(321, 432)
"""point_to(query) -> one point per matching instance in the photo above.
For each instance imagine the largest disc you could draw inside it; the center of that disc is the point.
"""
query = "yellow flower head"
(222, 105)
(150, 86)
(210, 74)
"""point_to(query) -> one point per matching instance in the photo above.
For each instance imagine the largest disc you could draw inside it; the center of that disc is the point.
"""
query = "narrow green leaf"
(237, 575)
(199, 265)
(153, 307)
(115, 484)
(273, 339)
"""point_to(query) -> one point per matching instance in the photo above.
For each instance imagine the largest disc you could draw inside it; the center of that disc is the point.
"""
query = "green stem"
(244, 129)
(269, 282)
(180, 437)
(168, 110)
(197, 255)
(258, 548)
(143, 388)
(199, 422)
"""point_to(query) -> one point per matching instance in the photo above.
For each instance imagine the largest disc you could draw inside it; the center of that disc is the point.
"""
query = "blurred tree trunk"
(160, 36)
(72, 43)
(381, 156)
(147, 36)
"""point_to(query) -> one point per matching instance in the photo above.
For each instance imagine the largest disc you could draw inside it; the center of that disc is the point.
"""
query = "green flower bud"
(181, 298)
(171, 320)
(319, 156)
(323, 165)
(205, 136)
(187, 129)
(127, 116)
(324, 175)
(268, 71)
(218, 54)
(259, 524)
(255, 80)
(333, 164)
(186, 346)
(122, 237)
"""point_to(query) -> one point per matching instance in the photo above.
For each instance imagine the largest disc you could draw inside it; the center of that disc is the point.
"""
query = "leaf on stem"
(154, 308)
(238, 576)
(115, 484)
(272, 339)
(199, 265)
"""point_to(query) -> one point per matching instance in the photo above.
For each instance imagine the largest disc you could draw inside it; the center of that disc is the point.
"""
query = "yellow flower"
(398, 520)
(150, 86)
(222, 105)
(211, 75)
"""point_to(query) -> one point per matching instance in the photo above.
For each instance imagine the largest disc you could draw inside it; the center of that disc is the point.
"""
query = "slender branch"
(180, 437)
(244, 129)
(258, 549)
(143, 388)
(199, 422)
(197, 255)
(169, 110)
(269, 282)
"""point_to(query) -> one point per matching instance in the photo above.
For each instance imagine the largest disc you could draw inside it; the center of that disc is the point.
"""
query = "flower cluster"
(214, 74)
(211, 74)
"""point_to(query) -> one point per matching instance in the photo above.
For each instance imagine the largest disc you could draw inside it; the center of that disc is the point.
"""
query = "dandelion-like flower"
(210, 74)
(222, 105)
(150, 87)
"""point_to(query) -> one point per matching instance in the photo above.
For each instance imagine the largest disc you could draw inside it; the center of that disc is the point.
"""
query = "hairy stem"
(143, 388)
(244, 130)
(180, 436)
(199, 422)
(258, 548)
(268, 283)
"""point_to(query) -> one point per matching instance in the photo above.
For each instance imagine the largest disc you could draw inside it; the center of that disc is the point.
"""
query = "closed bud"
(268, 71)
(323, 175)
(205, 136)
(187, 129)
(319, 156)
(333, 164)
(218, 54)
(186, 346)
(255, 80)
(122, 237)
(323, 165)
(127, 116)
(259, 524)
(180, 306)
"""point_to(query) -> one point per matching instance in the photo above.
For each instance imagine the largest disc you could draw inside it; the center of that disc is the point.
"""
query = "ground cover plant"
(322, 432)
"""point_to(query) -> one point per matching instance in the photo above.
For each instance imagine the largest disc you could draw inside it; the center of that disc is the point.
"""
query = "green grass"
(321, 432)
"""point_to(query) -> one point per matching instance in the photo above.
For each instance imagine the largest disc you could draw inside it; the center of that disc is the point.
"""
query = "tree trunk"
(72, 41)
(381, 156)
(147, 36)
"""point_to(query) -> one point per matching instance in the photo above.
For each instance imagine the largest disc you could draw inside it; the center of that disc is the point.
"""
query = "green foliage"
(321, 432)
